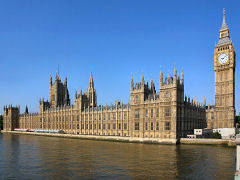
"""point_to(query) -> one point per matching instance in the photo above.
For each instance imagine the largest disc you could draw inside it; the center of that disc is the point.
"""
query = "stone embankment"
(196, 141)
(229, 142)
(103, 138)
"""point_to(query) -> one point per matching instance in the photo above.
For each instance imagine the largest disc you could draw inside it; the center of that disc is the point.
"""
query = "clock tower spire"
(224, 68)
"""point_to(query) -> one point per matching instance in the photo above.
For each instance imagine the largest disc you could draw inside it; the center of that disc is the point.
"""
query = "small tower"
(58, 92)
(204, 102)
(26, 110)
(182, 78)
(142, 82)
(75, 94)
(152, 86)
(50, 80)
(65, 81)
(161, 77)
(91, 93)
(132, 83)
(175, 73)
(11, 118)
(224, 31)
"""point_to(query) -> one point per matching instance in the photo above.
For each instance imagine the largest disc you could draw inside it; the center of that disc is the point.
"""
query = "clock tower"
(224, 67)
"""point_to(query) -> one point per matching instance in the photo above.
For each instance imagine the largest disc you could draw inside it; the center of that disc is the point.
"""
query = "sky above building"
(114, 38)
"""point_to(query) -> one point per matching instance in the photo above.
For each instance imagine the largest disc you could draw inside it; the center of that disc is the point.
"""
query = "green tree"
(216, 135)
(1, 122)
(237, 120)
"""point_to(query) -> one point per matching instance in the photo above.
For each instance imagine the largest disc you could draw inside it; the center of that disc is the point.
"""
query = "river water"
(39, 157)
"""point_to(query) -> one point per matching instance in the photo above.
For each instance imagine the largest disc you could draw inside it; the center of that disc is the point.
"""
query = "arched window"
(137, 113)
(137, 99)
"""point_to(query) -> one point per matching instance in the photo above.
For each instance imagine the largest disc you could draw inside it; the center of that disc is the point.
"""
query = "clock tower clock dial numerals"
(223, 58)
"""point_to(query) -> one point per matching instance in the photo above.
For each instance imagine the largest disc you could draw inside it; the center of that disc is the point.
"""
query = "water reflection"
(39, 157)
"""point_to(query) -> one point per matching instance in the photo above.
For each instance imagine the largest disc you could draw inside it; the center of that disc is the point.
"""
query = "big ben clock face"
(223, 58)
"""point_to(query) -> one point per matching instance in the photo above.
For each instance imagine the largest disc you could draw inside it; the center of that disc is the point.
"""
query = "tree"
(237, 120)
(216, 135)
(1, 122)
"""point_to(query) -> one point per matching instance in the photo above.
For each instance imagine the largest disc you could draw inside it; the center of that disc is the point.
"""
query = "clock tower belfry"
(224, 68)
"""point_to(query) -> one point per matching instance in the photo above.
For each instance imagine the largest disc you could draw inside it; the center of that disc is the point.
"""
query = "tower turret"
(56, 77)
(26, 110)
(91, 93)
(204, 102)
(182, 78)
(161, 78)
(175, 73)
(50, 80)
(75, 94)
(142, 81)
(224, 31)
(152, 86)
(65, 81)
(132, 83)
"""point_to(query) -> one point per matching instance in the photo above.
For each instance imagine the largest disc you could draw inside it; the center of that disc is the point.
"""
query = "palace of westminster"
(164, 114)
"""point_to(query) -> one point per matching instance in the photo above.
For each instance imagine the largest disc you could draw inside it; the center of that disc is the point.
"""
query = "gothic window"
(212, 116)
(167, 126)
(136, 125)
(157, 126)
(151, 126)
(108, 126)
(99, 126)
(99, 117)
(157, 113)
(95, 126)
(119, 126)
(114, 126)
(137, 113)
(125, 126)
(146, 113)
(125, 116)
(104, 116)
(151, 113)
(114, 116)
(109, 116)
(168, 112)
(168, 95)
(146, 126)
(136, 99)
(119, 116)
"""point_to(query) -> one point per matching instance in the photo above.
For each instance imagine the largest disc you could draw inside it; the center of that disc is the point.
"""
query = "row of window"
(167, 126)
(103, 126)
(90, 117)
(167, 113)
(223, 48)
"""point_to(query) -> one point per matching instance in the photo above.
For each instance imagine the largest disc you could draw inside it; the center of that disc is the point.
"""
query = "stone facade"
(165, 114)
(222, 115)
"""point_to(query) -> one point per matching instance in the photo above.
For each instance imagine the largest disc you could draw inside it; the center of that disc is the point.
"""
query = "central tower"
(224, 67)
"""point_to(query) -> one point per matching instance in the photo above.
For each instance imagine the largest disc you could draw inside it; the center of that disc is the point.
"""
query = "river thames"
(39, 157)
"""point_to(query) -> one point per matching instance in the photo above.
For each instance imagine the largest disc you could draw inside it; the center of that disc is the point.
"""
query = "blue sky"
(115, 38)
